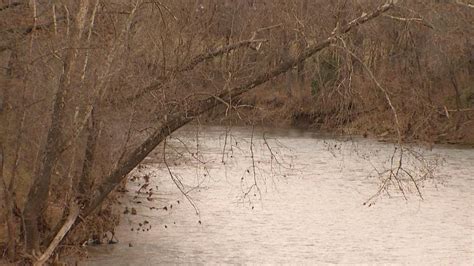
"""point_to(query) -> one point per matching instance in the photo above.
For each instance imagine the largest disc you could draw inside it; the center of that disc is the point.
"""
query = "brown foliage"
(85, 84)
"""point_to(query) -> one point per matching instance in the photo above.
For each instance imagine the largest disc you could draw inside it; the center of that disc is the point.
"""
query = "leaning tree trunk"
(180, 119)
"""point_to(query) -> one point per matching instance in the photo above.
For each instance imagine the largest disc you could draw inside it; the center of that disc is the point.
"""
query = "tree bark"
(84, 185)
(6, 192)
(9, 207)
(38, 194)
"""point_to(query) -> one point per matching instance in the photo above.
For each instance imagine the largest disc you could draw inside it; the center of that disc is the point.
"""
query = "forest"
(89, 88)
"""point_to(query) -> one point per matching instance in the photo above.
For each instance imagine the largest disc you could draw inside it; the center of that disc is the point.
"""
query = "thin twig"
(177, 182)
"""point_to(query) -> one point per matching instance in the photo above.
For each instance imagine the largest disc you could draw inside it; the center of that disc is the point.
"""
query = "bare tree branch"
(182, 118)
(191, 65)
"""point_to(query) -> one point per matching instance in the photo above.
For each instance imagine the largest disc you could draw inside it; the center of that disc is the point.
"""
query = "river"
(307, 208)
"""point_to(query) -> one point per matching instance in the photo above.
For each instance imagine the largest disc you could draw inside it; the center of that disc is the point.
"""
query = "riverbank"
(418, 124)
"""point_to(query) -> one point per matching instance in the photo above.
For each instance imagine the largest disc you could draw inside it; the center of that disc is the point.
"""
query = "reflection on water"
(307, 208)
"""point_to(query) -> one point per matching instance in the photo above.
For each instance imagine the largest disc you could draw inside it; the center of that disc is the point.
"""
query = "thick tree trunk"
(84, 185)
(7, 196)
(38, 194)
(6, 191)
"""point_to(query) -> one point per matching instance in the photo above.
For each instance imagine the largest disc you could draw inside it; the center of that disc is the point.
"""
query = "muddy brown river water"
(307, 209)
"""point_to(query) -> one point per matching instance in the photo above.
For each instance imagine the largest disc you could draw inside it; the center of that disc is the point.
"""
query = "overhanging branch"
(180, 119)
